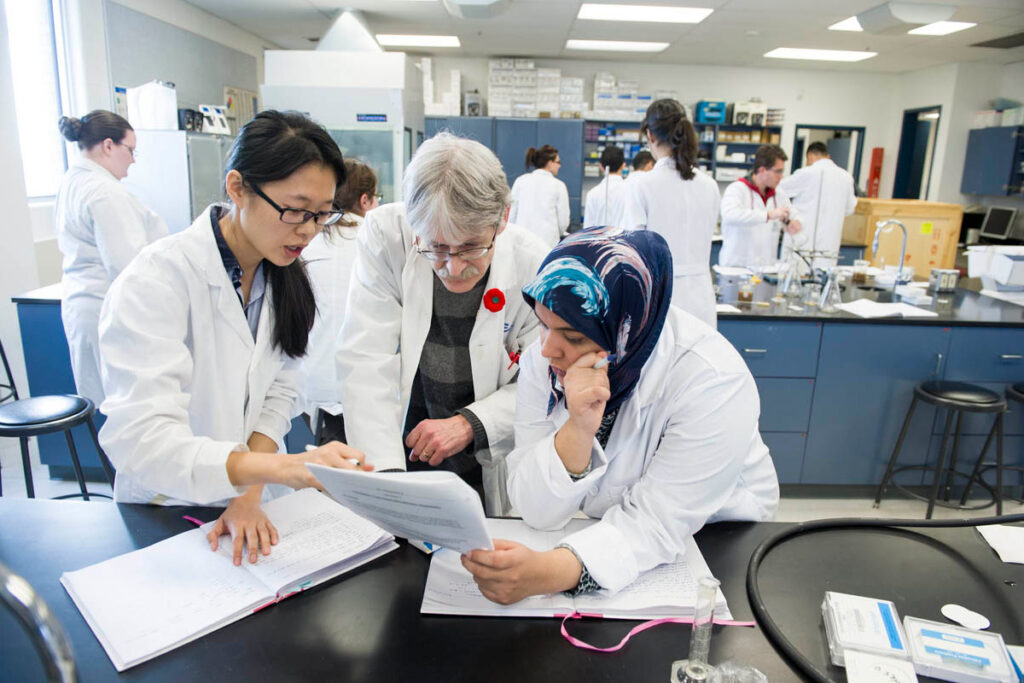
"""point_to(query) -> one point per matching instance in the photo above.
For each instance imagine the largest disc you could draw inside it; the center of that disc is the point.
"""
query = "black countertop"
(960, 307)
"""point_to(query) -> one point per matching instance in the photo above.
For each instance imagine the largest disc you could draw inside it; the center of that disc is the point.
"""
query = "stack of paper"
(866, 308)
(153, 600)
(669, 590)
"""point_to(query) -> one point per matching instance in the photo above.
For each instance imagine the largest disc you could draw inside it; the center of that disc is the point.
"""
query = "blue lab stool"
(27, 417)
(1015, 393)
(957, 398)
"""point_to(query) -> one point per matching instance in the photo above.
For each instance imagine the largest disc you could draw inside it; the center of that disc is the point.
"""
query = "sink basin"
(873, 289)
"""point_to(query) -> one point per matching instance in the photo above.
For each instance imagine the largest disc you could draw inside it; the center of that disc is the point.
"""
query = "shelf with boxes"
(598, 134)
(727, 150)
(518, 88)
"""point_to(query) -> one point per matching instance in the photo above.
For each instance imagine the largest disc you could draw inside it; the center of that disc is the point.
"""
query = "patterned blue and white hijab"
(615, 287)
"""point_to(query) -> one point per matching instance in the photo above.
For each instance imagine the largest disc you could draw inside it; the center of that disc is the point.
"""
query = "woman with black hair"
(202, 335)
(101, 227)
(680, 202)
(540, 201)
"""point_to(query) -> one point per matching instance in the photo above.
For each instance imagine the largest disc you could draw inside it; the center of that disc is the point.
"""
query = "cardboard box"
(933, 230)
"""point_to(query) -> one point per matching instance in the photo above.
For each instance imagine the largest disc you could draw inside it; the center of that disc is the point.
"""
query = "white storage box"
(1000, 268)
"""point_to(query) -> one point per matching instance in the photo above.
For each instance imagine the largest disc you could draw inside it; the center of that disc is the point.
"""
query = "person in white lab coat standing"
(753, 211)
(101, 227)
(643, 162)
(629, 410)
(330, 258)
(201, 336)
(540, 201)
(823, 194)
(680, 202)
(430, 345)
(603, 198)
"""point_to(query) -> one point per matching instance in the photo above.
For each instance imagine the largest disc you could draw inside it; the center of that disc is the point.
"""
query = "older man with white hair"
(428, 351)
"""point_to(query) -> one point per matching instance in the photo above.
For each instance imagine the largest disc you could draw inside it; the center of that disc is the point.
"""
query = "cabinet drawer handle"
(755, 350)
(938, 364)
(1011, 356)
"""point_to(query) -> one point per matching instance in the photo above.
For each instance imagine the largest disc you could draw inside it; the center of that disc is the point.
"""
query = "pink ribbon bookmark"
(635, 630)
(195, 521)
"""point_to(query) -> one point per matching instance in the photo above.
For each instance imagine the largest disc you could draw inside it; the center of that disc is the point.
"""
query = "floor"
(792, 508)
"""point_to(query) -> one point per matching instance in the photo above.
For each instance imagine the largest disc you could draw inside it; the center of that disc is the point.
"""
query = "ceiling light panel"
(396, 40)
(819, 55)
(941, 28)
(850, 24)
(614, 45)
(647, 13)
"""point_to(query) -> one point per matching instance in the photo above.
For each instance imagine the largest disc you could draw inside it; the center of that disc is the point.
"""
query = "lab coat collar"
(541, 171)
(663, 162)
(90, 165)
(768, 193)
(201, 251)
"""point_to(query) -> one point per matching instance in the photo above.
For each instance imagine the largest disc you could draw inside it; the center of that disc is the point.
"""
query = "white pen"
(604, 361)
(354, 461)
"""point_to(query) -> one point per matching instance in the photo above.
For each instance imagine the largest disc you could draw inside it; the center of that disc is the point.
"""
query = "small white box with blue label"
(854, 622)
(962, 655)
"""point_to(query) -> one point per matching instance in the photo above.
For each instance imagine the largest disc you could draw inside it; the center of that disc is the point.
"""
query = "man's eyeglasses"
(470, 254)
(131, 150)
(300, 216)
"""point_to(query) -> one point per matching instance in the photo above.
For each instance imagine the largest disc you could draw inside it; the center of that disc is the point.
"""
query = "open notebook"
(150, 601)
(669, 590)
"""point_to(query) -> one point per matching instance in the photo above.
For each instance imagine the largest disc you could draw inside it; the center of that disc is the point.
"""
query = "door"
(917, 147)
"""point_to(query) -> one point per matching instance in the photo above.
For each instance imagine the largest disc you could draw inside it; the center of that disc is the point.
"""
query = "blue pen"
(604, 361)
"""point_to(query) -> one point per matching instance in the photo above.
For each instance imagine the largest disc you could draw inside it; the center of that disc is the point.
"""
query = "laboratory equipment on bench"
(832, 296)
(696, 669)
(882, 226)
(215, 119)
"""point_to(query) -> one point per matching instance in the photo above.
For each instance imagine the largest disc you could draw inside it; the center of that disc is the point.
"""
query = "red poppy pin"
(494, 300)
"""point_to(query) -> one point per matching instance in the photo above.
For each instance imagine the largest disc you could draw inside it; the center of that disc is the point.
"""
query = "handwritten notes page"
(150, 601)
(669, 590)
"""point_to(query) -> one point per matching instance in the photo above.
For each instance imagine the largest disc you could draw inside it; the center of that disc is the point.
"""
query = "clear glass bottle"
(832, 296)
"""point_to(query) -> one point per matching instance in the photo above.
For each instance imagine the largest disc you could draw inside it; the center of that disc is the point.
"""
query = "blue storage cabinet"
(512, 137)
(566, 135)
(866, 378)
(48, 366)
(992, 161)
(783, 358)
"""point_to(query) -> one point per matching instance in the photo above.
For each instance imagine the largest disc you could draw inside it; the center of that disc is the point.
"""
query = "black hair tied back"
(270, 147)
(94, 128)
(667, 124)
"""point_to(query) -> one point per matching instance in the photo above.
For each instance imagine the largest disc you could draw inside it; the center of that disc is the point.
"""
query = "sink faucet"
(882, 225)
(45, 632)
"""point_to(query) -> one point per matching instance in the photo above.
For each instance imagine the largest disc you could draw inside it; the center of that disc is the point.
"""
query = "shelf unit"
(737, 140)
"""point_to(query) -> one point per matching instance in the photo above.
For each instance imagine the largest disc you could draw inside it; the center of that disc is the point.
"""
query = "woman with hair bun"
(540, 201)
(101, 227)
(679, 201)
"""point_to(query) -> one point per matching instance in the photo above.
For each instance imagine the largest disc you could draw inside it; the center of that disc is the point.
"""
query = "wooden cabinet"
(993, 163)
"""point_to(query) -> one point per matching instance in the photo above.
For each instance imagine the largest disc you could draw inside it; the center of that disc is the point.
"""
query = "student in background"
(202, 334)
(642, 163)
(330, 259)
(680, 202)
(540, 201)
(601, 200)
(823, 194)
(101, 227)
(656, 443)
(753, 211)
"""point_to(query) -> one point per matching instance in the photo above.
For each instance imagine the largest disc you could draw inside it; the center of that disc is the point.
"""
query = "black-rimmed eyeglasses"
(300, 216)
(470, 254)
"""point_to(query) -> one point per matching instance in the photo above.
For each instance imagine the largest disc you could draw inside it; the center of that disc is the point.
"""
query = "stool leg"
(953, 457)
(78, 465)
(108, 469)
(895, 452)
(937, 477)
(999, 464)
(321, 422)
(976, 472)
(27, 464)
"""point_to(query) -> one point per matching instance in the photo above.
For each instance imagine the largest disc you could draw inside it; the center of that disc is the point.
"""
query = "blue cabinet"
(992, 164)
(566, 135)
(775, 348)
(512, 137)
(865, 382)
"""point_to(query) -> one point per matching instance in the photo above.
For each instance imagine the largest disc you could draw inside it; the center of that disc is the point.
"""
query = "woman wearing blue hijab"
(629, 410)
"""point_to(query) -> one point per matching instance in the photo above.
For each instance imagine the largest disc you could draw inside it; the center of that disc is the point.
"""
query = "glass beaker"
(832, 296)
(811, 295)
(860, 271)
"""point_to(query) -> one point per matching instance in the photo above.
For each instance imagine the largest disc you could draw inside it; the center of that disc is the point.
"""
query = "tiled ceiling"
(737, 33)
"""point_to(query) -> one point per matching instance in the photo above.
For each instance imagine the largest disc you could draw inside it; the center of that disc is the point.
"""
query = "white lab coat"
(101, 227)
(186, 384)
(615, 215)
(540, 203)
(823, 194)
(389, 311)
(601, 201)
(685, 213)
(329, 263)
(685, 450)
(749, 239)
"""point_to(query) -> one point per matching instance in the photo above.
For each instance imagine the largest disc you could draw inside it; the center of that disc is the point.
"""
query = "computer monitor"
(998, 223)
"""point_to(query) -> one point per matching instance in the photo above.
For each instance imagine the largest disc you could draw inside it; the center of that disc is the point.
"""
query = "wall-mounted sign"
(372, 118)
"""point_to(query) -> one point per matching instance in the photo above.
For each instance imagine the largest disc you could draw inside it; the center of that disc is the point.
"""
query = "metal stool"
(1014, 392)
(46, 414)
(959, 398)
(7, 391)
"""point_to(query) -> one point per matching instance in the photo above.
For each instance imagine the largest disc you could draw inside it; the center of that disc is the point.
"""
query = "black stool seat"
(42, 414)
(1015, 392)
(960, 395)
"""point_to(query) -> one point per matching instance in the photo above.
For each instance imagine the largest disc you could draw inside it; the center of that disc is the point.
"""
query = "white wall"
(809, 97)
(17, 258)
